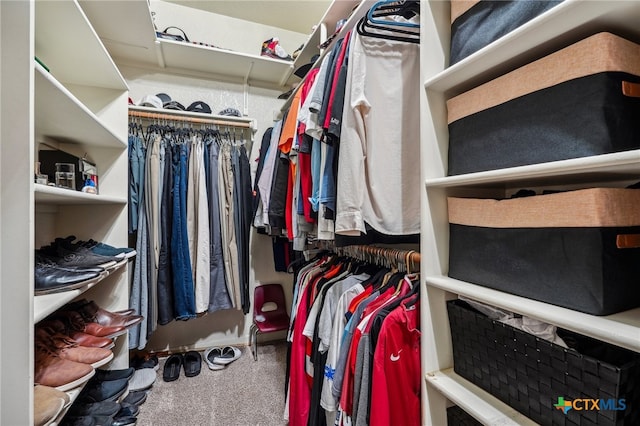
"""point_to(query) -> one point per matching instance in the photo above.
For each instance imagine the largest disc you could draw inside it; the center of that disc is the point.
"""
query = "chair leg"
(255, 342)
(252, 331)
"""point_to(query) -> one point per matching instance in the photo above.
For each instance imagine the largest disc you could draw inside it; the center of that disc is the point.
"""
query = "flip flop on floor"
(209, 356)
(192, 363)
(172, 368)
(228, 355)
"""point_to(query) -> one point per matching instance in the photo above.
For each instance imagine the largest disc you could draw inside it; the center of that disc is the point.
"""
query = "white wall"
(231, 326)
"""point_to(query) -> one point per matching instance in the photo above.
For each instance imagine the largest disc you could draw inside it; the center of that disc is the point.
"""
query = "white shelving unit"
(560, 26)
(134, 40)
(78, 103)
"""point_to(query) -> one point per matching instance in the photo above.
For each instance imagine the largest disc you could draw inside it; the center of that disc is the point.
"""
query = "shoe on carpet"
(172, 367)
(209, 357)
(150, 361)
(228, 354)
(192, 363)
(142, 379)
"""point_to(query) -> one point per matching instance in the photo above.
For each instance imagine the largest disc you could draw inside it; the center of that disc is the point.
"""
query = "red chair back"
(268, 302)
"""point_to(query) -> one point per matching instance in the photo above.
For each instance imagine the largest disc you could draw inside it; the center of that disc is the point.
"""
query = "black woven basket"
(456, 416)
(531, 374)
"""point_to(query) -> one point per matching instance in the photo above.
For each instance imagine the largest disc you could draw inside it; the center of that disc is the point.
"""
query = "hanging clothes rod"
(410, 259)
(197, 120)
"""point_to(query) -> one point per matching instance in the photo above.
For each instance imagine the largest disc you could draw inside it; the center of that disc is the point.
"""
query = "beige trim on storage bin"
(599, 53)
(596, 207)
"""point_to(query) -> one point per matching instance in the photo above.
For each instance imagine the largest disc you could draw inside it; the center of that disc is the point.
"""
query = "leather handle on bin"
(624, 241)
(631, 89)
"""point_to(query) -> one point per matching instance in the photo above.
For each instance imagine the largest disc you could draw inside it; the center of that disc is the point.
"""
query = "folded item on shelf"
(475, 23)
(559, 107)
(576, 249)
(166, 35)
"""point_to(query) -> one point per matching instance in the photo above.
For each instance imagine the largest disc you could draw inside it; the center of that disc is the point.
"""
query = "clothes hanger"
(401, 10)
(363, 25)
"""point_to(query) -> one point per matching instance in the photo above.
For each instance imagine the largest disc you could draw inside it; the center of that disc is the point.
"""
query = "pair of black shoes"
(97, 403)
(191, 361)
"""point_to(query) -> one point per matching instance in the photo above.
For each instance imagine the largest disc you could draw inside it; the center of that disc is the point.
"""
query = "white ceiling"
(294, 15)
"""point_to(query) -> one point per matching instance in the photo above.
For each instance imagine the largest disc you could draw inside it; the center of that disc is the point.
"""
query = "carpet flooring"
(245, 393)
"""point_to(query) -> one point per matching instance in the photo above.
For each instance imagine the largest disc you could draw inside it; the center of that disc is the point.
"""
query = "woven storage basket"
(530, 374)
(456, 416)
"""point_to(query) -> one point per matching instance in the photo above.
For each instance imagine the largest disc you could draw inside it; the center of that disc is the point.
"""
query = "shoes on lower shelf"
(48, 403)
(135, 398)
(142, 379)
(69, 350)
(91, 312)
(78, 323)
(99, 391)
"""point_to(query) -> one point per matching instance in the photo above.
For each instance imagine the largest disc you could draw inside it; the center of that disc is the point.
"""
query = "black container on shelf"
(539, 378)
(456, 416)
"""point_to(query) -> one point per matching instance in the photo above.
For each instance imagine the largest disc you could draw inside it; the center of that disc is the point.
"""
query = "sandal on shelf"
(228, 355)
(172, 368)
(209, 357)
(192, 363)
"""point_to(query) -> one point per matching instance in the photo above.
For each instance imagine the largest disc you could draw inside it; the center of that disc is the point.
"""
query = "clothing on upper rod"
(343, 162)
(185, 183)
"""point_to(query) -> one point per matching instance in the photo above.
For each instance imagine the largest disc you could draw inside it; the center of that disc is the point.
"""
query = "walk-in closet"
(319, 212)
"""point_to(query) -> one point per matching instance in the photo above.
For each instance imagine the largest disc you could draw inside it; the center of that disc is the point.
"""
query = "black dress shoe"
(135, 398)
(104, 408)
(50, 278)
(108, 375)
(97, 391)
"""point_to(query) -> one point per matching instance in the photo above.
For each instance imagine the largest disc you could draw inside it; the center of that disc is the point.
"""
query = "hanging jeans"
(136, 180)
(183, 290)
(139, 299)
(219, 295)
(165, 278)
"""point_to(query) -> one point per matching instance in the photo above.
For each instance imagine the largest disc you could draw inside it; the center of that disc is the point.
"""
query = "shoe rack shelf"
(560, 26)
(76, 102)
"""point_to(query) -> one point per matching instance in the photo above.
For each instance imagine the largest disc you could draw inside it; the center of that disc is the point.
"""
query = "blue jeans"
(136, 179)
(183, 288)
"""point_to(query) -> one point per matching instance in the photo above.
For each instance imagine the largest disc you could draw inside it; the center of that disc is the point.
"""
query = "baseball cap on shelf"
(151, 101)
(164, 98)
(199, 106)
(304, 69)
(231, 112)
(174, 105)
(131, 102)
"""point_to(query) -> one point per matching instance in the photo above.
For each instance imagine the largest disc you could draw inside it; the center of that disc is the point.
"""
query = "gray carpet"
(245, 393)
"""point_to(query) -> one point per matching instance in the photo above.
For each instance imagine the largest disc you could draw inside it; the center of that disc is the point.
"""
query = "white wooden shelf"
(326, 27)
(484, 407)
(178, 113)
(63, 30)
(257, 70)
(607, 167)
(621, 329)
(133, 40)
(45, 194)
(558, 27)
(61, 116)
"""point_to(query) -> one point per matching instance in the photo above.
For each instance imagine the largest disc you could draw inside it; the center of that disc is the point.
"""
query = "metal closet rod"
(197, 120)
(410, 258)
